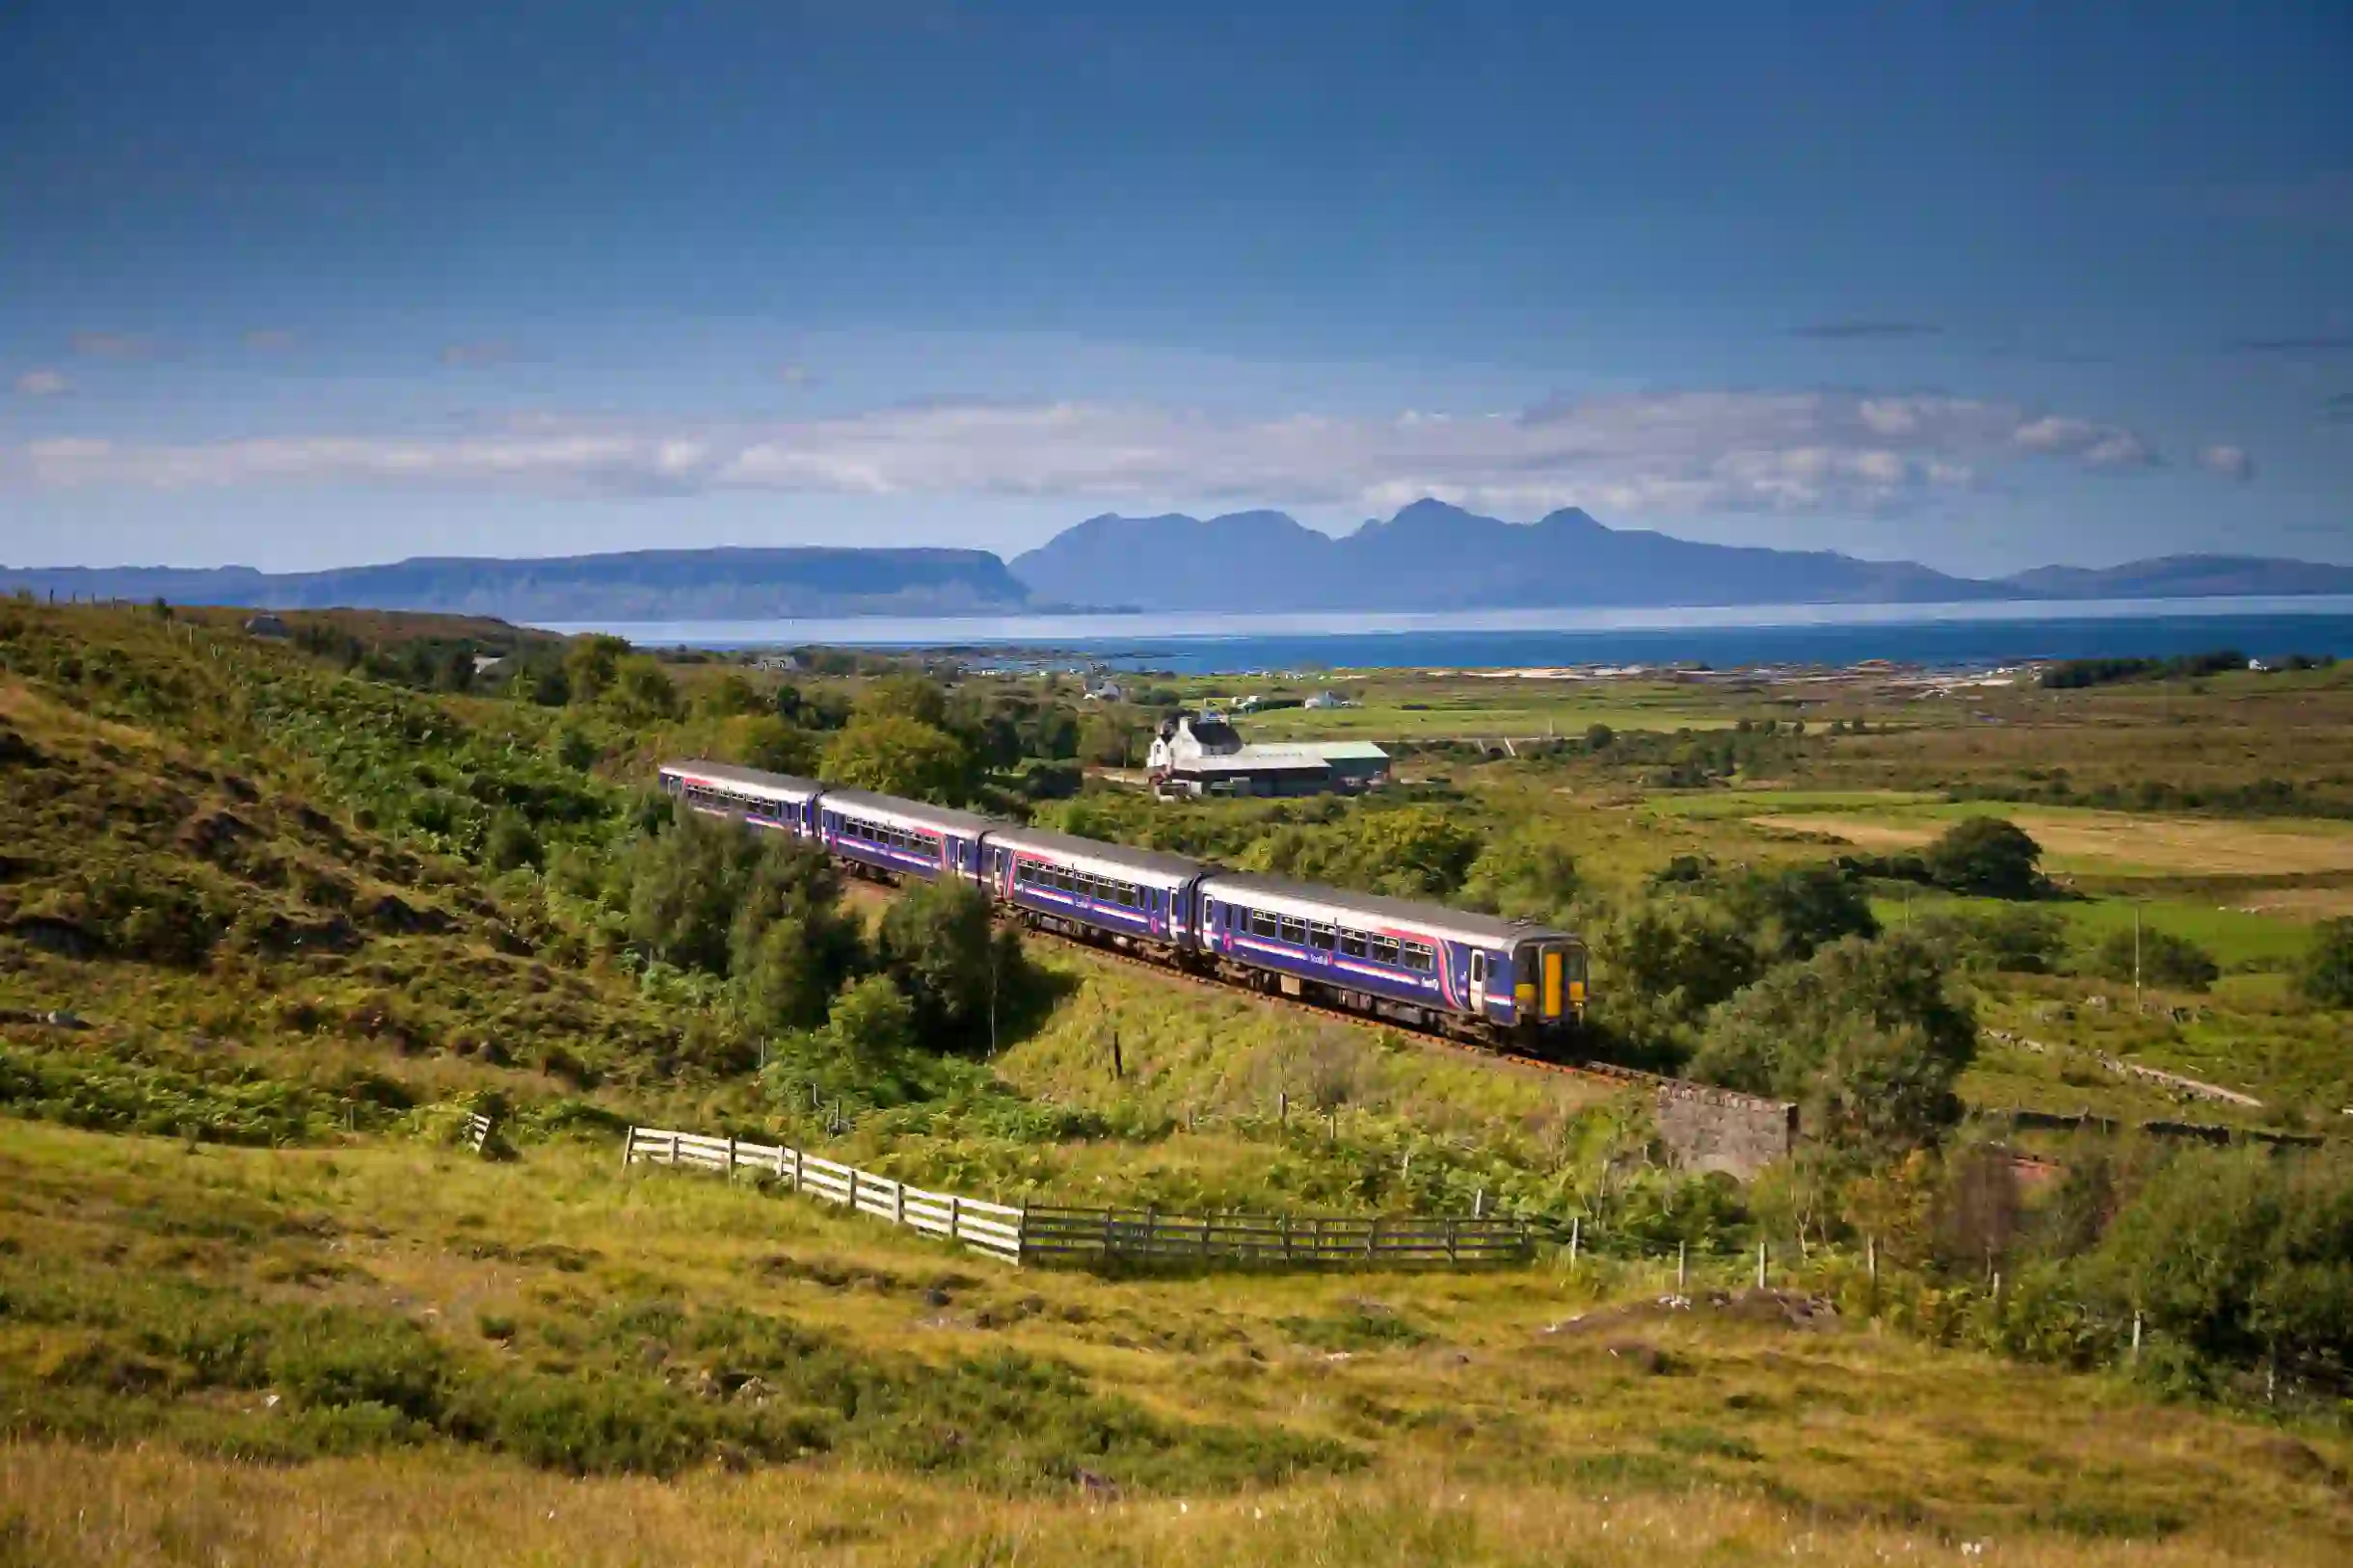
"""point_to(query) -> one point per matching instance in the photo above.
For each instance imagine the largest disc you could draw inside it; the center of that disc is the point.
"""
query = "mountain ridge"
(1426, 556)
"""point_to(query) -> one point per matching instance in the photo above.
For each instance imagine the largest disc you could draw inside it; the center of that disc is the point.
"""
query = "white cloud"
(796, 375)
(44, 383)
(2229, 462)
(1661, 453)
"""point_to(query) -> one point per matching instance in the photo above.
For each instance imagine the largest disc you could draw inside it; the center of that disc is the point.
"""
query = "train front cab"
(1548, 989)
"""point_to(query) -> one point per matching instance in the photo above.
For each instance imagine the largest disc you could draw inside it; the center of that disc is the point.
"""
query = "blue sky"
(1988, 287)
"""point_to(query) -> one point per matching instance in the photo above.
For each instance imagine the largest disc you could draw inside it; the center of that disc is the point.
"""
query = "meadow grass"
(1398, 1418)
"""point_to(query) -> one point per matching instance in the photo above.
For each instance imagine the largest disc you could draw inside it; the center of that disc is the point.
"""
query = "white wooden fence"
(1039, 1233)
(985, 1227)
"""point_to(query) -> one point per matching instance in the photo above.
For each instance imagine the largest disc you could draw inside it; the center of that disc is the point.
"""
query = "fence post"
(1106, 1233)
(1760, 1265)
(1286, 1238)
(2136, 1334)
(898, 1202)
(1372, 1239)
(955, 1217)
(1870, 1253)
(1479, 1203)
(731, 1157)
(1576, 1238)
(1021, 1234)
(1454, 1228)
(629, 1141)
(673, 1159)
(796, 1170)
(1282, 1107)
(1682, 1268)
(853, 1189)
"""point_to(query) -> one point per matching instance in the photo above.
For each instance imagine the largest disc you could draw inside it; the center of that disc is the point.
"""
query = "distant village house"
(1196, 754)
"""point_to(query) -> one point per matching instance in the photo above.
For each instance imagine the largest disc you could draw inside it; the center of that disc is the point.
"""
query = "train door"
(1479, 979)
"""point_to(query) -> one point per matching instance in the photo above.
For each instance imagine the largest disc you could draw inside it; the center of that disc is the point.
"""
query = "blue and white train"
(1421, 964)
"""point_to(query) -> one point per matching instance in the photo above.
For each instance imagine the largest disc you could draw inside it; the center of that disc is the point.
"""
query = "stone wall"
(1707, 1128)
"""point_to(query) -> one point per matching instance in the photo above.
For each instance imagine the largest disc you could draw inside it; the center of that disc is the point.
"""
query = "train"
(1419, 965)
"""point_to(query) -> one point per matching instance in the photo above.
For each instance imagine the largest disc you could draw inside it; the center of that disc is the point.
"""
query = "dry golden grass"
(2172, 845)
(1531, 1416)
(72, 1509)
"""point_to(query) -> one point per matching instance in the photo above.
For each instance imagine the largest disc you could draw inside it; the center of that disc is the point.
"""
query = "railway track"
(858, 877)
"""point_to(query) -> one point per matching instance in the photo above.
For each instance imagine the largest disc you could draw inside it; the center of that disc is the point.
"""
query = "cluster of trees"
(2106, 671)
(764, 915)
(2074, 673)
(1985, 857)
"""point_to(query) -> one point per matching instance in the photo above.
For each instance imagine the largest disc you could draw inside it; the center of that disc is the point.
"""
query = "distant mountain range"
(1431, 556)
(638, 585)
(1440, 557)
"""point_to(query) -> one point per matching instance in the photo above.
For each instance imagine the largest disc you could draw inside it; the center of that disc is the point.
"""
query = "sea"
(1971, 636)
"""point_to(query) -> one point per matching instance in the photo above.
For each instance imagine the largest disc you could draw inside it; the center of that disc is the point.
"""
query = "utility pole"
(2136, 956)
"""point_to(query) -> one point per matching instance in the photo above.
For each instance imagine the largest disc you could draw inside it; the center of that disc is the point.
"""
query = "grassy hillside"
(421, 1343)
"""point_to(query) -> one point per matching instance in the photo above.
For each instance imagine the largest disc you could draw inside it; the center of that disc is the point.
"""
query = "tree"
(591, 666)
(2325, 977)
(764, 741)
(685, 886)
(938, 942)
(1795, 912)
(790, 944)
(731, 695)
(1863, 1035)
(898, 756)
(1529, 875)
(2237, 1254)
(872, 1022)
(2163, 958)
(2018, 940)
(905, 696)
(1988, 856)
(1105, 741)
(643, 691)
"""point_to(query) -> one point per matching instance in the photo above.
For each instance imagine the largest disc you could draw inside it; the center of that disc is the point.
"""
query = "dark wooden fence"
(1275, 1241)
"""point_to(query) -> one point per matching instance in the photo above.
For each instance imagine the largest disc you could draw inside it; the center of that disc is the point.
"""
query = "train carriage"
(776, 801)
(892, 838)
(1421, 964)
(1137, 897)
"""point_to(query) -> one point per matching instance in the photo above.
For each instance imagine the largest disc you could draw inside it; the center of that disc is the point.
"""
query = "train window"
(1418, 957)
(1320, 938)
(1383, 949)
(1131, 895)
(1294, 932)
(1479, 968)
(1351, 943)
(1262, 924)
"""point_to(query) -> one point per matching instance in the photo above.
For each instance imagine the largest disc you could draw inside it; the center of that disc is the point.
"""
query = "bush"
(894, 755)
(2165, 959)
(2016, 940)
(1987, 856)
(872, 1021)
(2238, 1254)
(1864, 1035)
(2325, 977)
(938, 942)
(510, 845)
(1793, 912)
